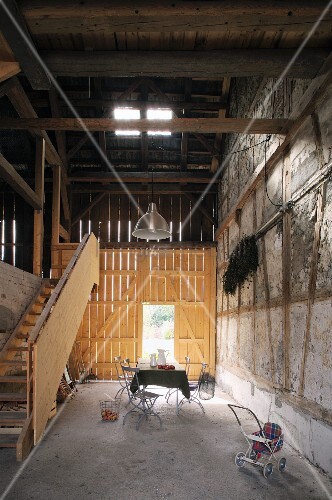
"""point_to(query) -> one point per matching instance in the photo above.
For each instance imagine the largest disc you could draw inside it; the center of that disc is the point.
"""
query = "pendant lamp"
(152, 226)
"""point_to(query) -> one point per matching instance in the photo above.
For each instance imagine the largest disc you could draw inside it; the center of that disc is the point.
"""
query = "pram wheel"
(282, 464)
(268, 469)
(239, 459)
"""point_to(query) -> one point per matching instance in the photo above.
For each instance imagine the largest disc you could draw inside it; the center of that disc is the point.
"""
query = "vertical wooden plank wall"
(113, 320)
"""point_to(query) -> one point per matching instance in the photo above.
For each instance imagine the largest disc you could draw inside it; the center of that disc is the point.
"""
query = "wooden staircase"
(15, 410)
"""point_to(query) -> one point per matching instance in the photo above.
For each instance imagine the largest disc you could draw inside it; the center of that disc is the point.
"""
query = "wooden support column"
(56, 205)
(268, 310)
(286, 268)
(38, 217)
(320, 205)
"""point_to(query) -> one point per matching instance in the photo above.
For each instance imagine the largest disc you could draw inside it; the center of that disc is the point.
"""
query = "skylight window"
(127, 114)
(127, 132)
(159, 114)
(159, 132)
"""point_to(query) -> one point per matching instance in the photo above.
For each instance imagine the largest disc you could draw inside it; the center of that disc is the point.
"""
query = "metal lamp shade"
(152, 226)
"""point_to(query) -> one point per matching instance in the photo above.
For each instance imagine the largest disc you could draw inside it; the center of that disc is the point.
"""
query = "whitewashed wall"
(261, 366)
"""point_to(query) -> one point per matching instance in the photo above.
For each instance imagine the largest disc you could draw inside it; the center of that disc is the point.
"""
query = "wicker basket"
(110, 409)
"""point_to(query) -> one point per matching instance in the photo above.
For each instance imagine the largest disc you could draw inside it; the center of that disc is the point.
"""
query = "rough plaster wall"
(17, 288)
(243, 318)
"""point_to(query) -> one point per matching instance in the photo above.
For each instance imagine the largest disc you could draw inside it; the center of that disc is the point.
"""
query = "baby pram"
(264, 442)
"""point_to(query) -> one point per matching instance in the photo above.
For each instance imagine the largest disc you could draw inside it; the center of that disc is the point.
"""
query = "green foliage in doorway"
(242, 263)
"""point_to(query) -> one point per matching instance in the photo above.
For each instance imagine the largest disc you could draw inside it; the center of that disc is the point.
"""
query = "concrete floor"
(190, 458)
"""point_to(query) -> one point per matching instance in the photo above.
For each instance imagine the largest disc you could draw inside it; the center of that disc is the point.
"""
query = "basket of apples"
(110, 409)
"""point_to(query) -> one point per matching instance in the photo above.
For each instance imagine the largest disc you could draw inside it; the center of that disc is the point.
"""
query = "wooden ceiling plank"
(8, 69)
(9, 174)
(210, 65)
(69, 17)
(20, 42)
(175, 125)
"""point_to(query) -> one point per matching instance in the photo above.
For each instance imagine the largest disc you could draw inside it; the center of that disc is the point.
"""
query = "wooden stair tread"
(13, 396)
(8, 440)
(17, 348)
(13, 378)
(13, 362)
(12, 417)
(23, 336)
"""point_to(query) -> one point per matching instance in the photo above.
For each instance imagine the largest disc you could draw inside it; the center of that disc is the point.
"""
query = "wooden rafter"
(68, 17)
(201, 207)
(84, 139)
(110, 102)
(8, 69)
(9, 174)
(212, 65)
(88, 207)
(13, 28)
(185, 135)
(222, 114)
(203, 140)
(176, 125)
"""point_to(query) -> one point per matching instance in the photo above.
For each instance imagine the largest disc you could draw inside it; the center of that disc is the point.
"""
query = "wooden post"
(38, 220)
(286, 268)
(320, 204)
(56, 205)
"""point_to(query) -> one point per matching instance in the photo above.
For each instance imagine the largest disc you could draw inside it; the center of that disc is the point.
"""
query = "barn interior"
(230, 137)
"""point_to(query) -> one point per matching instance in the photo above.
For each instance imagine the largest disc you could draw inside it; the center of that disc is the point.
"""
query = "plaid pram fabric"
(272, 432)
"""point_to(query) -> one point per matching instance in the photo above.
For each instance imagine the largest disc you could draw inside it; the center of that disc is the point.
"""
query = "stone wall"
(274, 348)
(17, 288)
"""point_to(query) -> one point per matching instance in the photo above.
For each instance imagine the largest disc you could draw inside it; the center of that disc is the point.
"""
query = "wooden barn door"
(112, 324)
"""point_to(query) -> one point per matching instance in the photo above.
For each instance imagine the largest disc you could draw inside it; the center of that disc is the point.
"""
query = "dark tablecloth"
(165, 378)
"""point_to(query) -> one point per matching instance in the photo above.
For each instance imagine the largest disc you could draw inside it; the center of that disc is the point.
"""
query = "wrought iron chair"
(194, 390)
(119, 372)
(173, 390)
(143, 401)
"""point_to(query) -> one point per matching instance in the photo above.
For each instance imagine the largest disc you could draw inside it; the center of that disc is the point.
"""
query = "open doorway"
(158, 329)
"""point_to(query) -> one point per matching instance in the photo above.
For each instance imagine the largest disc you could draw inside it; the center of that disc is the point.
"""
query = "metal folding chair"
(120, 375)
(194, 390)
(143, 401)
(173, 390)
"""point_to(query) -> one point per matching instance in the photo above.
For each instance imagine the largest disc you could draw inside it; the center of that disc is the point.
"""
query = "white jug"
(162, 356)
(153, 360)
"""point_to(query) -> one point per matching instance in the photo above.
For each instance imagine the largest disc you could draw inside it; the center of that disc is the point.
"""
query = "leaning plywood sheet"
(55, 341)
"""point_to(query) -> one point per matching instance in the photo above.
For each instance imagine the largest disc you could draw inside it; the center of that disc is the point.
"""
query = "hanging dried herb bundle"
(243, 262)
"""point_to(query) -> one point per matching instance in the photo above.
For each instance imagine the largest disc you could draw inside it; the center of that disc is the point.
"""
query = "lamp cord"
(152, 187)
(265, 174)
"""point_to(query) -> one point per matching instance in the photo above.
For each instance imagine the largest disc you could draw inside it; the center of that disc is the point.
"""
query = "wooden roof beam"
(70, 17)
(20, 42)
(9, 174)
(8, 69)
(176, 125)
(210, 65)
(24, 108)
(128, 177)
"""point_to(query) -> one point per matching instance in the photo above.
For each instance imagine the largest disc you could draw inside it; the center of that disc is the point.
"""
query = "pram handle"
(248, 409)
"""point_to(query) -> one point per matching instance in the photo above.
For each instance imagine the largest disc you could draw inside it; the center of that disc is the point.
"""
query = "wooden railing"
(52, 337)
